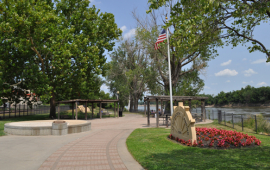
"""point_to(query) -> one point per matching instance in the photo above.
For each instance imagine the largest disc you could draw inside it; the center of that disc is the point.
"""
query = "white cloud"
(226, 63)
(206, 87)
(262, 84)
(228, 81)
(249, 72)
(268, 64)
(244, 59)
(259, 61)
(123, 28)
(247, 82)
(227, 72)
(130, 33)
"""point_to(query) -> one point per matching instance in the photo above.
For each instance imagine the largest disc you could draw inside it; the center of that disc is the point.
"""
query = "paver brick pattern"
(98, 149)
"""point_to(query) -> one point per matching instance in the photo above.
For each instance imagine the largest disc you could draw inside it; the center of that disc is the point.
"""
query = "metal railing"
(258, 123)
(20, 110)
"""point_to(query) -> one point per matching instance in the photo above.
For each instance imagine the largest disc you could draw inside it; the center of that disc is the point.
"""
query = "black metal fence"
(258, 123)
(24, 110)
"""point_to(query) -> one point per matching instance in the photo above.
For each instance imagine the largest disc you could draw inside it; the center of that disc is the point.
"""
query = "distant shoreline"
(228, 106)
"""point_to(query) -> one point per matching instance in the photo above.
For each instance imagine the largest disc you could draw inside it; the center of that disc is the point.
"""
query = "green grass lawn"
(152, 149)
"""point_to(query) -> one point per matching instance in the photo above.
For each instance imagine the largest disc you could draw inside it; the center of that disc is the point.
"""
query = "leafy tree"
(189, 52)
(189, 84)
(236, 19)
(248, 95)
(128, 73)
(56, 47)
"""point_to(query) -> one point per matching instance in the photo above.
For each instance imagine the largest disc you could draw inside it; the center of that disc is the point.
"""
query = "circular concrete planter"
(47, 127)
(59, 128)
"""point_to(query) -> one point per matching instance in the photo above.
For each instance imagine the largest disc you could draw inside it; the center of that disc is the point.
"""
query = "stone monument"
(82, 109)
(182, 123)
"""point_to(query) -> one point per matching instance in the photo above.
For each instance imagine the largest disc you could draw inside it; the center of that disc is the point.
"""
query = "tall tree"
(127, 73)
(189, 52)
(56, 46)
(236, 19)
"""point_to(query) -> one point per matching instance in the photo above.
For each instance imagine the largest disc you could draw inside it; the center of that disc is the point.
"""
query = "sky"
(233, 69)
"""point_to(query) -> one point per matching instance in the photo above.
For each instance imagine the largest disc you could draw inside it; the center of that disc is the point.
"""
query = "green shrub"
(262, 124)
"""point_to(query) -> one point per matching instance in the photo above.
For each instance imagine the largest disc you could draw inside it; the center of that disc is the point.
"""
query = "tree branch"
(191, 59)
(251, 39)
(39, 56)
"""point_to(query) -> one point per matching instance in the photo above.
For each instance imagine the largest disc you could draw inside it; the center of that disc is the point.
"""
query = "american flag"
(160, 39)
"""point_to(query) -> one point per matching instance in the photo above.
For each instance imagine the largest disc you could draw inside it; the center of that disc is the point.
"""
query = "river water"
(235, 110)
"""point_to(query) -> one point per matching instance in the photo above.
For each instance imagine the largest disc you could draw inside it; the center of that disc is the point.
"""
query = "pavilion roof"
(89, 101)
(175, 98)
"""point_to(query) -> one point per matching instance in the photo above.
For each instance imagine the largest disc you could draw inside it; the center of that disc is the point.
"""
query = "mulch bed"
(213, 138)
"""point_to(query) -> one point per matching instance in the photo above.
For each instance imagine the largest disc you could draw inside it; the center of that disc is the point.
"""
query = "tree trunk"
(167, 103)
(131, 104)
(136, 104)
(52, 106)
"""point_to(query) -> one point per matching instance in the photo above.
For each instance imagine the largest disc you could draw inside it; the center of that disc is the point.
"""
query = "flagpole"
(169, 65)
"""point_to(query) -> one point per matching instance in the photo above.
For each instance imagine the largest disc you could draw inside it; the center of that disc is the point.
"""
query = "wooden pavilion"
(85, 101)
(176, 99)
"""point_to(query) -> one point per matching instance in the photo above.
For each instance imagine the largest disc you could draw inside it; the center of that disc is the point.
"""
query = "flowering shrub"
(195, 143)
(219, 138)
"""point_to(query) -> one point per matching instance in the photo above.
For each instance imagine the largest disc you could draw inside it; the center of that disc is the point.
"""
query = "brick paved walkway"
(104, 147)
(98, 150)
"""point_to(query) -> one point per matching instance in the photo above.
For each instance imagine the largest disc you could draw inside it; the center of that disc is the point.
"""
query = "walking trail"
(102, 148)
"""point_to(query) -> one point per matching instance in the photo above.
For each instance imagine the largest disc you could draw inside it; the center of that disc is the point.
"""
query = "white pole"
(129, 103)
(169, 65)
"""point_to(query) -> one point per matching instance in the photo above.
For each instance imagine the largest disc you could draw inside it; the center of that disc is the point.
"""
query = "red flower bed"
(220, 139)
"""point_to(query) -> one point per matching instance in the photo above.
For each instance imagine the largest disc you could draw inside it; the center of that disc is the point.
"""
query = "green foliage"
(234, 21)
(191, 47)
(248, 94)
(56, 49)
(128, 72)
(189, 84)
(263, 124)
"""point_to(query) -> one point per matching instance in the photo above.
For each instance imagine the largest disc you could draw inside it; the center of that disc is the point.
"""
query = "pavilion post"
(76, 110)
(85, 110)
(203, 109)
(100, 115)
(72, 110)
(114, 110)
(118, 109)
(161, 107)
(144, 108)
(148, 112)
(58, 110)
(92, 110)
(189, 104)
(157, 114)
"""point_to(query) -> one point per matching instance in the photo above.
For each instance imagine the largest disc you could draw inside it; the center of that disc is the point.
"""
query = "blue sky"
(231, 70)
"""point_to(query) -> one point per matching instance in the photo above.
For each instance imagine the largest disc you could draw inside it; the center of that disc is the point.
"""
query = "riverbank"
(239, 105)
